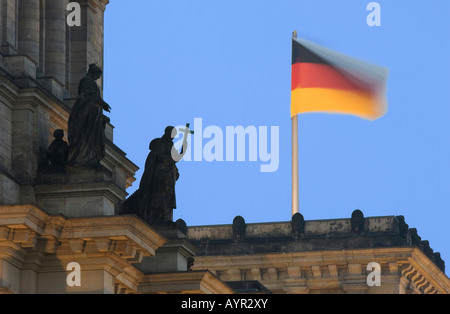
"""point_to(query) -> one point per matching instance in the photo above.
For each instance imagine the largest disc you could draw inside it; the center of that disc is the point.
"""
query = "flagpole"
(295, 177)
(294, 160)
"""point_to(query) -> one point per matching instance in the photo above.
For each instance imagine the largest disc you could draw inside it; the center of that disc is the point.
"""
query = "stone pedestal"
(80, 192)
(52, 85)
(176, 255)
(20, 66)
(86, 192)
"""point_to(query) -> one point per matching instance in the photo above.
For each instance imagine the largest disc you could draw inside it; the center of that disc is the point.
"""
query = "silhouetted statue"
(57, 152)
(158, 181)
(87, 123)
(155, 199)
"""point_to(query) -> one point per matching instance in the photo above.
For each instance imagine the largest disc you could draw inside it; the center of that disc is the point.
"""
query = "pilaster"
(86, 43)
(29, 29)
(55, 39)
(8, 29)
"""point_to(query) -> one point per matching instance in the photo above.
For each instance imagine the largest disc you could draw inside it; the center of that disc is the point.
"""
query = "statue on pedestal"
(155, 199)
(87, 123)
(157, 184)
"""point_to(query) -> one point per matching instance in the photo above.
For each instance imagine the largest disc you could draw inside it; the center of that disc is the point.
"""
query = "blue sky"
(228, 63)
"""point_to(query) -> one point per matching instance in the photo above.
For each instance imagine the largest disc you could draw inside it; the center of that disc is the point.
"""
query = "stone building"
(52, 223)
(323, 256)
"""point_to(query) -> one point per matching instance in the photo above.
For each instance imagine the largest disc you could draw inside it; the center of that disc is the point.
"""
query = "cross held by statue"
(186, 130)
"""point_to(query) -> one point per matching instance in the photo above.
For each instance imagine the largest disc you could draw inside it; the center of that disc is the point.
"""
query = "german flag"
(326, 81)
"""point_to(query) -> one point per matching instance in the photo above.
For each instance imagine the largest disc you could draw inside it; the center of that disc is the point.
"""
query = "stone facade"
(36, 248)
(41, 62)
(114, 254)
(326, 256)
(49, 221)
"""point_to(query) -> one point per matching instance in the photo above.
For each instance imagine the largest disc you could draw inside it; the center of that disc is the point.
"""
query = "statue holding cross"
(178, 156)
(155, 199)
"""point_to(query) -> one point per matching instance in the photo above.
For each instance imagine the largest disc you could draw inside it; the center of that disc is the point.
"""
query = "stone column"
(55, 39)
(29, 28)
(86, 42)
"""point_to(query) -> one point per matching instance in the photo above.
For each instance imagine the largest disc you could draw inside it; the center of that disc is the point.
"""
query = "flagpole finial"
(294, 34)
